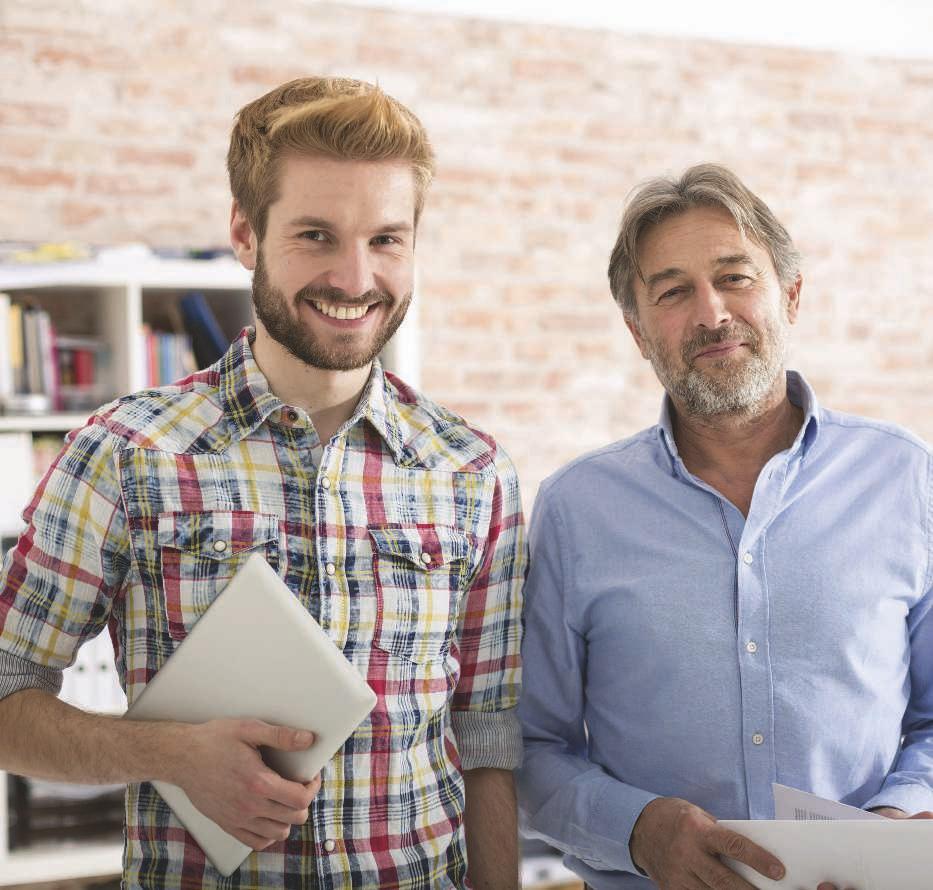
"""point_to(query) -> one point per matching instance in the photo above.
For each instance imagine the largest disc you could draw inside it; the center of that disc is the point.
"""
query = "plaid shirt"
(403, 537)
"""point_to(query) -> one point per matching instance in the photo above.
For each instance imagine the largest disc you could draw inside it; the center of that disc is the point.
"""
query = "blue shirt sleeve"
(909, 785)
(565, 799)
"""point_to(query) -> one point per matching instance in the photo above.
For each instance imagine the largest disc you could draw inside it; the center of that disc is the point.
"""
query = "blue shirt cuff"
(612, 818)
(911, 797)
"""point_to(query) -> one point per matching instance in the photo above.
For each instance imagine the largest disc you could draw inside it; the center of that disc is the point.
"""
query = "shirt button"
(426, 558)
(330, 845)
(325, 482)
(292, 415)
(220, 546)
(751, 646)
(748, 559)
(758, 739)
(330, 568)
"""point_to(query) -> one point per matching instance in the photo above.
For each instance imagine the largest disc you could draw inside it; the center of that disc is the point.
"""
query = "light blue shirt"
(674, 647)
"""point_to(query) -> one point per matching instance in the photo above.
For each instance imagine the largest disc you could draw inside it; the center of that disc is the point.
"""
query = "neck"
(729, 450)
(329, 397)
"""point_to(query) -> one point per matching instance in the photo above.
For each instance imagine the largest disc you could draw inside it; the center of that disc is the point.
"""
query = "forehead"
(344, 192)
(695, 240)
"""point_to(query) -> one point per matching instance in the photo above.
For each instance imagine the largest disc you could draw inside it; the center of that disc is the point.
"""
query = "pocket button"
(220, 546)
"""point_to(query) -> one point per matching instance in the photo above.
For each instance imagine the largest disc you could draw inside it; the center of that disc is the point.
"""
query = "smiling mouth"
(718, 349)
(342, 313)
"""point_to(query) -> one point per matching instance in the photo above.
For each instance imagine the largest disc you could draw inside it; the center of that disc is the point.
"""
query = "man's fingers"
(292, 795)
(251, 839)
(280, 813)
(283, 738)
(741, 849)
(314, 785)
(714, 874)
(925, 814)
(270, 829)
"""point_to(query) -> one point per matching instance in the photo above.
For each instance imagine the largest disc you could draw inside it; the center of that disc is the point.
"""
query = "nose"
(710, 308)
(351, 271)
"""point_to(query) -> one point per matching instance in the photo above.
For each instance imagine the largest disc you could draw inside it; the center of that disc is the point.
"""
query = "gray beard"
(741, 392)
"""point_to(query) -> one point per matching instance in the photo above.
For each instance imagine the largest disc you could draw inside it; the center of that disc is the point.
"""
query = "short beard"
(286, 329)
(739, 393)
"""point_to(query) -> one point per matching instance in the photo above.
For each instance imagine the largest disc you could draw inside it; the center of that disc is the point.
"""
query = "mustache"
(335, 295)
(704, 338)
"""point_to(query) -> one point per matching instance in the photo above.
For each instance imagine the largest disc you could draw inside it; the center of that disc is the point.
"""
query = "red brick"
(96, 57)
(80, 213)
(35, 178)
(155, 157)
(116, 184)
(28, 114)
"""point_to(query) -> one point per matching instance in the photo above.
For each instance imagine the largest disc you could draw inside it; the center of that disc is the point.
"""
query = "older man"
(737, 596)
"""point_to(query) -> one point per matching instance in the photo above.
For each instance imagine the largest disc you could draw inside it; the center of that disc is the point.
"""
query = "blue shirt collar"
(800, 394)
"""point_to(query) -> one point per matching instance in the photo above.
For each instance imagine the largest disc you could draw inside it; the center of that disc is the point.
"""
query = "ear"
(243, 238)
(793, 299)
(631, 322)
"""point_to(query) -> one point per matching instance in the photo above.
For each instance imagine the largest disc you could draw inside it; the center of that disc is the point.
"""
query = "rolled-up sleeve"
(59, 580)
(489, 637)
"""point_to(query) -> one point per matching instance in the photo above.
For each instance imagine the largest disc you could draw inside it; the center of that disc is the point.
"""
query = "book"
(6, 364)
(207, 338)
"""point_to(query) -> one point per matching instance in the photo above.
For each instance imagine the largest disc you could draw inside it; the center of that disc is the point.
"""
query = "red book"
(84, 367)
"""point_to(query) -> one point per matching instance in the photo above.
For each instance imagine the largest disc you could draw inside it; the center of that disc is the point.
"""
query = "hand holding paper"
(827, 845)
(676, 842)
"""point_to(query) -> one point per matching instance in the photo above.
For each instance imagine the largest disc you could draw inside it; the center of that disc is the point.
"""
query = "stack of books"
(42, 371)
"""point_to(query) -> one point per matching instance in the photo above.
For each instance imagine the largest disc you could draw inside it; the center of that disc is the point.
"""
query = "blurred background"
(115, 117)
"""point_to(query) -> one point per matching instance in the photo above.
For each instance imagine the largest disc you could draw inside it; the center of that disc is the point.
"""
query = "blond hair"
(705, 185)
(333, 116)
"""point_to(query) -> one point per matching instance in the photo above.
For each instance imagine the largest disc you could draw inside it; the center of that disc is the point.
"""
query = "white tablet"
(257, 653)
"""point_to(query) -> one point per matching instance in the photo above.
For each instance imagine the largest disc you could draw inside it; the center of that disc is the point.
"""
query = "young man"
(397, 525)
(737, 596)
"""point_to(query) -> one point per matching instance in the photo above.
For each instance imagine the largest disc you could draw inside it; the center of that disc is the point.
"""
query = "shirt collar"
(248, 402)
(800, 394)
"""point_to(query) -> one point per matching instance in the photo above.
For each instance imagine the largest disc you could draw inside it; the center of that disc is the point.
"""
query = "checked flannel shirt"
(402, 536)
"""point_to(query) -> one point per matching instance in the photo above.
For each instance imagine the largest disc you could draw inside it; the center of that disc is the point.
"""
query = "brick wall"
(114, 120)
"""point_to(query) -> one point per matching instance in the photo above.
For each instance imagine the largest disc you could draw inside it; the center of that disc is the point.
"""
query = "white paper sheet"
(791, 803)
(823, 840)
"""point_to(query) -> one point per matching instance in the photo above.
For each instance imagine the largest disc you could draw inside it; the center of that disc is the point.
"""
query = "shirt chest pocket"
(201, 552)
(419, 573)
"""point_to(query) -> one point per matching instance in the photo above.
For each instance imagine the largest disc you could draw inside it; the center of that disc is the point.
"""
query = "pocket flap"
(217, 534)
(425, 545)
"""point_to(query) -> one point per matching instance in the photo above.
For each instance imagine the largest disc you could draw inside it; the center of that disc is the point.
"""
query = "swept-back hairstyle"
(336, 117)
(705, 185)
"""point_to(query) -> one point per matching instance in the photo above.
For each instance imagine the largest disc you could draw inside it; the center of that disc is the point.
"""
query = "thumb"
(284, 738)
(926, 814)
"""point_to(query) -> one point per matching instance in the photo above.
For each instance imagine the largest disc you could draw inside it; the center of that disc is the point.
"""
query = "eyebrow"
(318, 222)
(734, 259)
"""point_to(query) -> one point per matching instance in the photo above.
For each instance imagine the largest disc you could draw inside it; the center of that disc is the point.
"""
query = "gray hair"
(705, 185)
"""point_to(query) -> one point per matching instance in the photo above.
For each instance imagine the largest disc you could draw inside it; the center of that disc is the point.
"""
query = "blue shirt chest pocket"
(419, 573)
(200, 553)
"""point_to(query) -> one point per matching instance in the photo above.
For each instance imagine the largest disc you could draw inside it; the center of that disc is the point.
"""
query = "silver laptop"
(256, 652)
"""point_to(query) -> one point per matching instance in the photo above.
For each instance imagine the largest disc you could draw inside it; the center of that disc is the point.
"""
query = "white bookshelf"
(109, 301)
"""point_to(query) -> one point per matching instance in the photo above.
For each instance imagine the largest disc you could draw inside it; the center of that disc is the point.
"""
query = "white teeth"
(342, 312)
